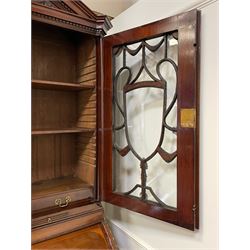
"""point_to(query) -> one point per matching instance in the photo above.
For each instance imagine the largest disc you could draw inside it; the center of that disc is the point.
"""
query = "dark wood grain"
(56, 209)
(65, 111)
(197, 126)
(99, 120)
(53, 109)
(61, 131)
(109, 236)
(66, 226)
(64, 117)
(93, 237)
(77, 16)
(63, 122)
(57, 217)
(54, 156)
(86, 110)
(44, 193)
(187, 172)
(58, 185)
(186, 214)
(53, 54)
(40, 84)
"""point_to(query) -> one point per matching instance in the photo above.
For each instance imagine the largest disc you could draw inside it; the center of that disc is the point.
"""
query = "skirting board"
(125, 240)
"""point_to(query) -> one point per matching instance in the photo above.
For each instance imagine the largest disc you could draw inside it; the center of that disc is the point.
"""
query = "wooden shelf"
(58, 185)
(61, 131)
(41, 84)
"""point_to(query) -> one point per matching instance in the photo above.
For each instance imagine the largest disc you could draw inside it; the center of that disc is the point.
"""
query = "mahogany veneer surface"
(89, 238)
(60, 131)
(40, 84)
(45, 193)
(64, 113)
(57, 185)
(63, 104)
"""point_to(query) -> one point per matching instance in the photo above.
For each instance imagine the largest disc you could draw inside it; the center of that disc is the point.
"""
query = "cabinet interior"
(63, 110)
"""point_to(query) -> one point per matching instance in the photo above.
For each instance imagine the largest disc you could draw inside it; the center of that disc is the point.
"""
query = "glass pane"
(163, 181)
(153, 57)
(144, 132)
(133, 61)
(126, 169)
(145, 120)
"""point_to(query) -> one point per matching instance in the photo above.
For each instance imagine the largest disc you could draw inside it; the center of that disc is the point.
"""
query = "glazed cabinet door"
(148, 130)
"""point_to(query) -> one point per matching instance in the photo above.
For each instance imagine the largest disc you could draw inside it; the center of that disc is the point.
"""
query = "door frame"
(187, 212)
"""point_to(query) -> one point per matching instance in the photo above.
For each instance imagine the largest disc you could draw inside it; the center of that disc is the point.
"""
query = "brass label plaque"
(188, 118)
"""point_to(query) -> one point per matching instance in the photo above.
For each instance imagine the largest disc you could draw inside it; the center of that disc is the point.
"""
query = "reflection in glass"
(145, 120)
(144, 132)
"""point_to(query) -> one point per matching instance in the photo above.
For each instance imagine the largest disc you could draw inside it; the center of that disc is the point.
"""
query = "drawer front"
(67, 214)
(62, 199)
(56, 224)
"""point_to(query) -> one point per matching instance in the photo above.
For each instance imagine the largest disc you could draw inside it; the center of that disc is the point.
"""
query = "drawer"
(56, 224)
(59, 193)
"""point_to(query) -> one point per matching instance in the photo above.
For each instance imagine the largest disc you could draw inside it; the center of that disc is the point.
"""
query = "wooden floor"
(43, 188)
(89, 238)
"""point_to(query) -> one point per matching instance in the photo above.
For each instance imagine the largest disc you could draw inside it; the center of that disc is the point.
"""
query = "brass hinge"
(194, 208)
(188, 118)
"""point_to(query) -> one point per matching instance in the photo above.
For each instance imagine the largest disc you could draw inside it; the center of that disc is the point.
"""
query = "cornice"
(66, 16)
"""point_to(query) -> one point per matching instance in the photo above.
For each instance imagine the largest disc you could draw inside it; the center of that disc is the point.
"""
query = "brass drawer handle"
(64, 203)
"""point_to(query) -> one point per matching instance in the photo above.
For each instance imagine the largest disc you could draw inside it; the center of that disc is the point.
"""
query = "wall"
(109, 7)
(136, 231)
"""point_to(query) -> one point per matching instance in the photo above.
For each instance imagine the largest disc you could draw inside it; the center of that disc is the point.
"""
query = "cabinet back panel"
(60, 55)
(53, 156)
(53, 54)
(53, 109)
